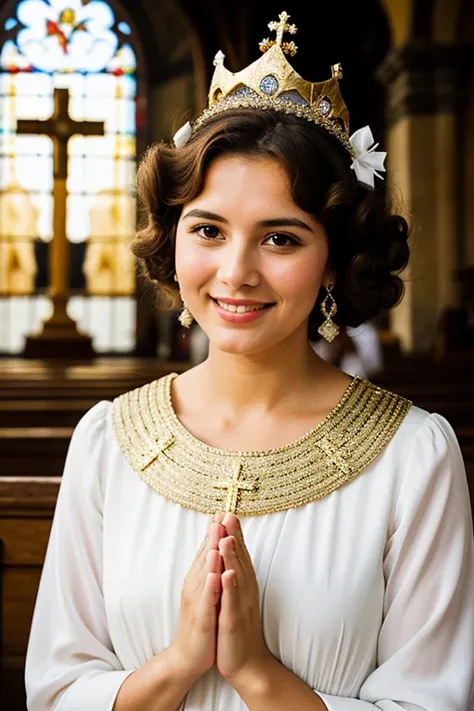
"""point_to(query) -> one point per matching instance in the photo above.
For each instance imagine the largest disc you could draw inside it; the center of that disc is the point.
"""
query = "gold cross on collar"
(331, 452)
(152, 456)
(234, 486)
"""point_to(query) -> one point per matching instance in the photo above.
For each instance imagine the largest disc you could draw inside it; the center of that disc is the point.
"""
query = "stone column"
(423, 109)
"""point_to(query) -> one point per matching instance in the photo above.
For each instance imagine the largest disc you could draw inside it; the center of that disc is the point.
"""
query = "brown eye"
(207, 231)
(281, 240)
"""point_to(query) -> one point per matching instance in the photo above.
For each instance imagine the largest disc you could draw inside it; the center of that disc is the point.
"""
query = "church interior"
(77, 322)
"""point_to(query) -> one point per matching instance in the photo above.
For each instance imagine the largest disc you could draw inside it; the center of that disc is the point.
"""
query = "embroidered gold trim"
(197, 476)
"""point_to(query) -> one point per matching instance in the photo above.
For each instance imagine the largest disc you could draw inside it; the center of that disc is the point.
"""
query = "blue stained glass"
(66, 35)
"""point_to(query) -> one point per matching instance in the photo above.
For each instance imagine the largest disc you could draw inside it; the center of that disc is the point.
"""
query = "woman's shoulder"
(425, 451)
(115, 429)
(416, 433)
(422, 427)
(93, 422)
(415, 422)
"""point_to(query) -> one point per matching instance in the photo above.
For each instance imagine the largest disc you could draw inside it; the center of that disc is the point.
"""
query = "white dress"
(366, 594)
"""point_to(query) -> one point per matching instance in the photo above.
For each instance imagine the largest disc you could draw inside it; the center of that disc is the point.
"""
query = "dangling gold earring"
(185, 316)
(329, 330)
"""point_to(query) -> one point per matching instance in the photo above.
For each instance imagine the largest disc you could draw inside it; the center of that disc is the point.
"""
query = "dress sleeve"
(425, 656)
(70, 663)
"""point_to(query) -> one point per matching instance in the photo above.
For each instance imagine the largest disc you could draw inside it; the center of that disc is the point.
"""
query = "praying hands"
(219, 620)
(219, 624)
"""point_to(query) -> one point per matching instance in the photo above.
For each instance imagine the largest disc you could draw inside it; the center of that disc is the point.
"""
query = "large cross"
(60, 127)
(234, 486)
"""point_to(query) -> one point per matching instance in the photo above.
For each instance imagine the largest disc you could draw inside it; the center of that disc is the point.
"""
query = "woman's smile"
(241, 313)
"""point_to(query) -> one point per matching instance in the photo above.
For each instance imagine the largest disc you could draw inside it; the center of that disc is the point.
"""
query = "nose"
(238, 265)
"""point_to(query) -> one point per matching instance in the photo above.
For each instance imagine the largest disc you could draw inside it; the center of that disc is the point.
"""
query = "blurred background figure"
(198, 345)
(356, 351)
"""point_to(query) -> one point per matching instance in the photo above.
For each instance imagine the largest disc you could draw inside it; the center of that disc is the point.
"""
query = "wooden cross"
(234, 486)
(60, 127)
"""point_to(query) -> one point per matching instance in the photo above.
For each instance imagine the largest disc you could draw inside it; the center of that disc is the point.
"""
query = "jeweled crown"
(271, 83)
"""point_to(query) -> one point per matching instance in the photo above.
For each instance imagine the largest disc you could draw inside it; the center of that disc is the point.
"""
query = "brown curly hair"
(367, 243)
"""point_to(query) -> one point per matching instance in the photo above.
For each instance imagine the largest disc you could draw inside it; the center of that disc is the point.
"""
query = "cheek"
(191, 263)
(301, 279)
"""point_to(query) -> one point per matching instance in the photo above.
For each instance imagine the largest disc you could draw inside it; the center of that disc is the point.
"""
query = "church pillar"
(423, 91)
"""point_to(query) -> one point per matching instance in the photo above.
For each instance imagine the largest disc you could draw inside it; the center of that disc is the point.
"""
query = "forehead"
(253, 178)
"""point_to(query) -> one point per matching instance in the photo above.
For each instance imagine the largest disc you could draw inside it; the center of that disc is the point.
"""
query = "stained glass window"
(84, 47)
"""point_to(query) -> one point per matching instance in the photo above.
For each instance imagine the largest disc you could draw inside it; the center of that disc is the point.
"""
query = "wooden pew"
(26, 506)
(33, 451)
(48, 413)
(2, 695)
(102, 379)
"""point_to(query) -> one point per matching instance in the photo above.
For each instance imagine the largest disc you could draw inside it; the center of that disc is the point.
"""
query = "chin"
(234, 345)
(241, 343)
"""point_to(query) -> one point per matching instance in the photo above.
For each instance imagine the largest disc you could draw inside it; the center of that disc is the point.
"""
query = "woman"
(261, 532)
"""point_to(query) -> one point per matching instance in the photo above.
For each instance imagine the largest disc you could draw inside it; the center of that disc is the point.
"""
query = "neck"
(262, 382)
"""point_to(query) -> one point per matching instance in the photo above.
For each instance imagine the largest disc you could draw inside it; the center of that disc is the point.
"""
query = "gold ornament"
(185, 317)
(182, 469)
(271, 83)
(329, 330)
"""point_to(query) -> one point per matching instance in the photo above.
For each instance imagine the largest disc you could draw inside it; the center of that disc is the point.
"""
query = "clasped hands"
(219, 621)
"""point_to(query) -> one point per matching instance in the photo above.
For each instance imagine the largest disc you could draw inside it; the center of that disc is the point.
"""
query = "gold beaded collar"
(197, 476)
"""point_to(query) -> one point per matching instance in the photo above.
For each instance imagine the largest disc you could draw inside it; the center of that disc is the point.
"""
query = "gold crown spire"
(271, 83)
(280, 28)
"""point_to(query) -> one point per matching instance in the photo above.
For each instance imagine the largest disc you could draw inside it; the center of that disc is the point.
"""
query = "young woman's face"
(244, 240)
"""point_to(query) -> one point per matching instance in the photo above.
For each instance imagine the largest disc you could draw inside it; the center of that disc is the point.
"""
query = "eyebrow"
(273, 222)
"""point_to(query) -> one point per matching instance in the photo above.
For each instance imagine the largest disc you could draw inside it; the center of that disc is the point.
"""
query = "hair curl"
(367, 243)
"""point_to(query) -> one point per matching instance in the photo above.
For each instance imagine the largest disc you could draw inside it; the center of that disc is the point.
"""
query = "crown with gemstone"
(271, 83)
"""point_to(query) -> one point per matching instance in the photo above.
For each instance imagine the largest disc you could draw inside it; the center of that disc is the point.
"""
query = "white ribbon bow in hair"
(182, 136)
(367, 161)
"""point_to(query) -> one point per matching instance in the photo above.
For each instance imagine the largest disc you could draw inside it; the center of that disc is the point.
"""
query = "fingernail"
(218, 517)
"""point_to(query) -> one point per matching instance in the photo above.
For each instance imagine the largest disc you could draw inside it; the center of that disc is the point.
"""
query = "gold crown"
(271, 83)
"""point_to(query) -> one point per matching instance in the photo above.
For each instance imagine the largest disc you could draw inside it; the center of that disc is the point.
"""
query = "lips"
(232, 314)
(250, 303)
(240, 308)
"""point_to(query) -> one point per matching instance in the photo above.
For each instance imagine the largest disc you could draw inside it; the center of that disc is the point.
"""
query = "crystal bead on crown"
(269, 85)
